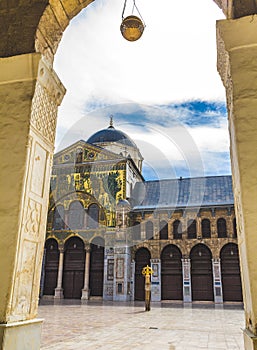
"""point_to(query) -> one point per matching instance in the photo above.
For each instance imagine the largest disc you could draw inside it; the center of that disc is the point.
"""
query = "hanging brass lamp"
(132, 27)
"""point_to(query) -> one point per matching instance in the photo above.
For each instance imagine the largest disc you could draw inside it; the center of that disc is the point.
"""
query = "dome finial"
(111, 121)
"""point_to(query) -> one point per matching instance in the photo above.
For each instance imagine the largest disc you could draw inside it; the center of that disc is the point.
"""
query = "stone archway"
(31, 92)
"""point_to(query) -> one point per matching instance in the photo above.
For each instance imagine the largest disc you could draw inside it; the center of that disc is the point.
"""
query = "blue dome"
(111, 135)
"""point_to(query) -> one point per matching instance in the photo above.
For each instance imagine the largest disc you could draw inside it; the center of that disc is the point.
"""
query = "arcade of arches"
(201, 274)
(30, 94)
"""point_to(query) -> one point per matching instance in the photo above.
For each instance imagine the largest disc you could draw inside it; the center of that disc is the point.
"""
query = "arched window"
(79, 155)
(206, 228)
(222, 228)
(136, 231)
(149, 230)
(93, 216)
(234, 228)
(177, 229)
(76, 216)
(191, 229)
(58, 221)
(163, 230)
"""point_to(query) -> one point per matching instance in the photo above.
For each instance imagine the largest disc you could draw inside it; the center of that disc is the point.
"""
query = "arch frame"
(233, 9)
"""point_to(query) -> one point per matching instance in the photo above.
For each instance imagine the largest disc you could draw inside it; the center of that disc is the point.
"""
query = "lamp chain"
(125, 2)
(134, 6)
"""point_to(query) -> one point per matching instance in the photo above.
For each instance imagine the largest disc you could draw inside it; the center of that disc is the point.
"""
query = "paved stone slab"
(105, 325)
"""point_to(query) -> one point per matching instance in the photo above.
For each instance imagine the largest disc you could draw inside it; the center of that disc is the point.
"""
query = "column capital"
(232, 36)
(87, 248)
(185, 259)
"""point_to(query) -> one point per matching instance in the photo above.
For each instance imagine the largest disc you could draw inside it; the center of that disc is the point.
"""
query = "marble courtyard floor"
(72, 325)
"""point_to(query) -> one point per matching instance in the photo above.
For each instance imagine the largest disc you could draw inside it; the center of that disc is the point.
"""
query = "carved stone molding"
(44, 114)
(49, 93)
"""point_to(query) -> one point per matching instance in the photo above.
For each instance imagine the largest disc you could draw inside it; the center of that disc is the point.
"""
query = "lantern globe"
(132, 28)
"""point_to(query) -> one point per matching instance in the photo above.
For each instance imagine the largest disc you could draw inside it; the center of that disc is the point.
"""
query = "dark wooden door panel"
(232, 290)
(140, 287)
(202, 288)
(78, 284)
(74, 267)
(171, 273)
(142, 258)
(172, 287)
(68, 284)
(96, 270)
(230, 272)
(50, 282)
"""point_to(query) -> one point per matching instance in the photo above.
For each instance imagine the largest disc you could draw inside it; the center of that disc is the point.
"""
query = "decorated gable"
(82, 152)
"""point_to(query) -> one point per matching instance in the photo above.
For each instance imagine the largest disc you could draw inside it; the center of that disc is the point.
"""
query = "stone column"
(217, 284)
(187, 291)
(30, 93)
(85, 290)
(156, 280)
(132, 279)
(237, 65)
(58, 292)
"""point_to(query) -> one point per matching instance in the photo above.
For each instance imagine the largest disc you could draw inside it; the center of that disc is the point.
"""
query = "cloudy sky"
(163, 90)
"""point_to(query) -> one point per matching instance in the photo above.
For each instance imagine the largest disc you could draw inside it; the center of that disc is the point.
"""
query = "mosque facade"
(105, 223)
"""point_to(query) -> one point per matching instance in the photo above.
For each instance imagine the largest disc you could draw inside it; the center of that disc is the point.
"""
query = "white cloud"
(175, 60)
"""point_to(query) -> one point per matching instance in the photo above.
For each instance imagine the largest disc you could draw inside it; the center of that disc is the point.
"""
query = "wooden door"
(96, 268)
(171, 273)
(51, 266)
(74, 268)
(142, 258)
(230, 273)
(201, 273)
